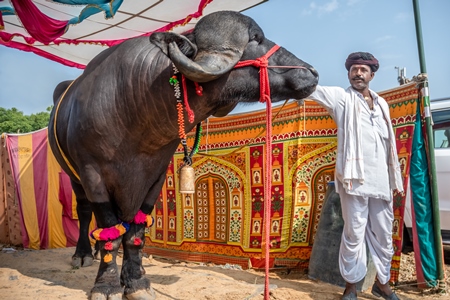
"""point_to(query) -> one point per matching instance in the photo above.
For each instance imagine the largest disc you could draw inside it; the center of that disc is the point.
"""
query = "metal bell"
(187, 180)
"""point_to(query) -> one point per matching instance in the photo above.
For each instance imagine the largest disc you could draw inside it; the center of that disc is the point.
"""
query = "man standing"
(367, 171)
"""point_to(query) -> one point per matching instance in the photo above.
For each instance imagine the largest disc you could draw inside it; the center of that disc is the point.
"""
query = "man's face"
(360, 76)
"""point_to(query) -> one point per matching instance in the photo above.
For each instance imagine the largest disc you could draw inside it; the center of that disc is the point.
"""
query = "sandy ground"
(47, 274)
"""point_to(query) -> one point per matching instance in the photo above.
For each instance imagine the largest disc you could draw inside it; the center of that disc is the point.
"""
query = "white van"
(440, 110)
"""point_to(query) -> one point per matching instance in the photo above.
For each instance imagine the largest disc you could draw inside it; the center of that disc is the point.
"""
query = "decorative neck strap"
(176, 86)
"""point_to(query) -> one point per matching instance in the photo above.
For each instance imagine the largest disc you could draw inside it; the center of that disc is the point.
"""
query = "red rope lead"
(268, 193)
(264, 87)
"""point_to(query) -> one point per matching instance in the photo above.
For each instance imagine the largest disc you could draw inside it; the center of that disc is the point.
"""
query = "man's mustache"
(357, 77)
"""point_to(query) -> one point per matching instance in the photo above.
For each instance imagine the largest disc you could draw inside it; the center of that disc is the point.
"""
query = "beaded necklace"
(175, 82)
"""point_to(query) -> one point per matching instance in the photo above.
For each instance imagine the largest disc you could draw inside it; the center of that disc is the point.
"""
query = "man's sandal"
(349, 296)
(376, 291)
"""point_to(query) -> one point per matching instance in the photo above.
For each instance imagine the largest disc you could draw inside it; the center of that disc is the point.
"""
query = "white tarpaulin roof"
(86, 33)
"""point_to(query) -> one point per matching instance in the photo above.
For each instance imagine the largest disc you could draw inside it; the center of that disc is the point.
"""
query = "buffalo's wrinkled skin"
(117, 125)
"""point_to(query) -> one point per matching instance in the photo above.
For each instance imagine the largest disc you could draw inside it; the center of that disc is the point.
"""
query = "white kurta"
(355, 162)
(375, 148)
(367, 170)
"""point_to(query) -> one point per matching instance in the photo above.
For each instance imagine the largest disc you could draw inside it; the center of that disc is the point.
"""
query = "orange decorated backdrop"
(222, 221)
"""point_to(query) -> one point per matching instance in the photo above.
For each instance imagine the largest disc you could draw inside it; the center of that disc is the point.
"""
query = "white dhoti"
(368, 220)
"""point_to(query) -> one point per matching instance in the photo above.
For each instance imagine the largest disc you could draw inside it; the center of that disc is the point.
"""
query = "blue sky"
(321, 32)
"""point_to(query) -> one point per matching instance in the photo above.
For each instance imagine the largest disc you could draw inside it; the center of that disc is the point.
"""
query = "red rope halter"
(262, 63)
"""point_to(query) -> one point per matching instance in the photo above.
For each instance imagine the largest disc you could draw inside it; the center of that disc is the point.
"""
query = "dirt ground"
(47, 274)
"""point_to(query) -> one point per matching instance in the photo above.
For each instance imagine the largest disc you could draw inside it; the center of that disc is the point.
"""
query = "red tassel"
(137, 241)
(191, 116)
(108, 246)
(198, 89)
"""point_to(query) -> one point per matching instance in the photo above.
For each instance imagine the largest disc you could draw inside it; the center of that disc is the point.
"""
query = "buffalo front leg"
(107, 284)
(109, 238)
(137, 286)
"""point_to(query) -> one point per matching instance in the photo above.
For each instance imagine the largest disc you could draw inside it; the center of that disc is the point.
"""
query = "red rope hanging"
(263, 63)
(186, 103)
(268, 193)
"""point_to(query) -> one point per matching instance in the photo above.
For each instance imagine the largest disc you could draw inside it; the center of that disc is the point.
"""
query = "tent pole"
(432, 166)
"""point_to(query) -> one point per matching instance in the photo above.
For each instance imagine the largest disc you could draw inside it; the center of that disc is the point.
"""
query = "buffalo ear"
(163, 39)
(223, 111)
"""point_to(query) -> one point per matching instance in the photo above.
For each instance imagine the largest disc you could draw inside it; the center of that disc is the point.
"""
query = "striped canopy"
(46, 202)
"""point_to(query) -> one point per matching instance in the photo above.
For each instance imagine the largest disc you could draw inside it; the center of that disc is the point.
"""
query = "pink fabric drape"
(2, 25)
(39, 26)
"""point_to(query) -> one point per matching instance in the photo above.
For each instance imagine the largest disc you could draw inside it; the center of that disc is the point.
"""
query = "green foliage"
(14, 121)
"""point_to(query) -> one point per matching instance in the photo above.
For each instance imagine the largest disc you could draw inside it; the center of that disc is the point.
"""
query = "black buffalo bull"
(114, 129)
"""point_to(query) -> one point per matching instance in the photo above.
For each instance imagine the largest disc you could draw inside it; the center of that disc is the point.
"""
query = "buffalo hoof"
(100, 296)
(97, 255)
(88, 261)
(76, 262)
(148, 294)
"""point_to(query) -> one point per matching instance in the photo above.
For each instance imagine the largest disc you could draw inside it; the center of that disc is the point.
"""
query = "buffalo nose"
(315, 73)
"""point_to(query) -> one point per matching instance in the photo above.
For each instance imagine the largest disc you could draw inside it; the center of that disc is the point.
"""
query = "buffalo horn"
(207, 66)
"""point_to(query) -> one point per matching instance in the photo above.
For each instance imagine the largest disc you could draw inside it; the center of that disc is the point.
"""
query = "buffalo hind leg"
(137, 286)
(83, 254)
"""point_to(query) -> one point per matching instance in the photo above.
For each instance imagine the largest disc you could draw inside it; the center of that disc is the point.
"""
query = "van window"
(441, 138)
(441, 129)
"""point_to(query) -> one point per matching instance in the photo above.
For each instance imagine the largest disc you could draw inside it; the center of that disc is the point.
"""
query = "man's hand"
(396, 191)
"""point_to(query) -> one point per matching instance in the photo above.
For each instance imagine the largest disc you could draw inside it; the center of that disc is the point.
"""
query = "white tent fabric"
(133, 18)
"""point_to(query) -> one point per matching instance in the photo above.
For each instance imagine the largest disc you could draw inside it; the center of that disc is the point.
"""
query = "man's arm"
(327, 96)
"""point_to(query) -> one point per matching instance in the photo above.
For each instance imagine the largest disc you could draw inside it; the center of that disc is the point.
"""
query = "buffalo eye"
(257, 37)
